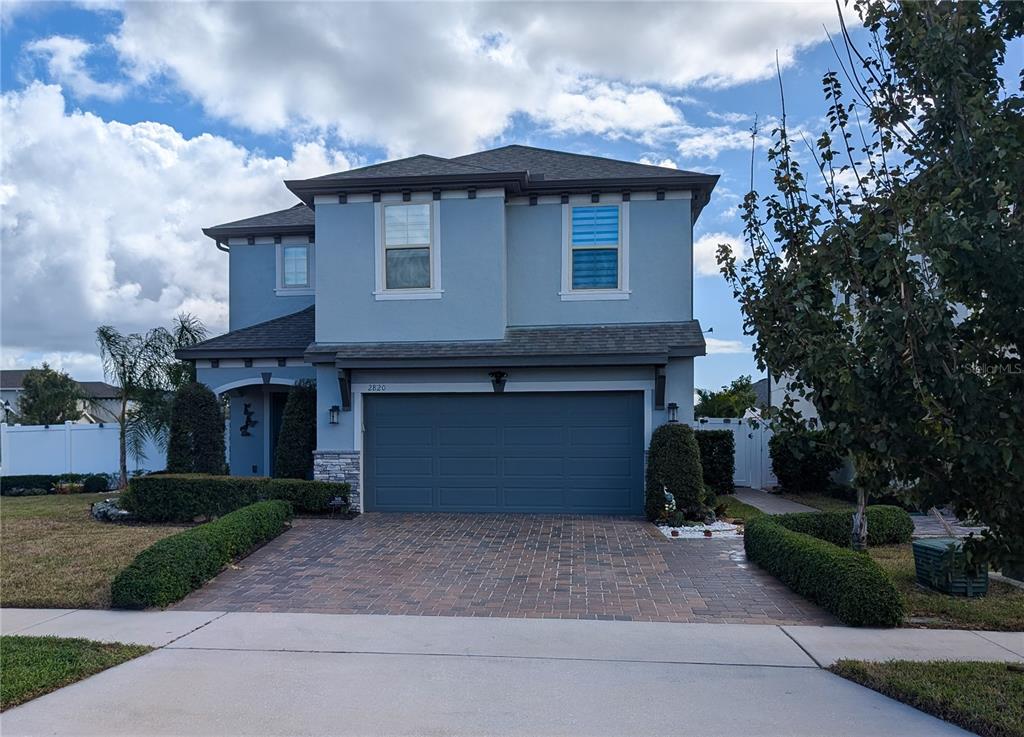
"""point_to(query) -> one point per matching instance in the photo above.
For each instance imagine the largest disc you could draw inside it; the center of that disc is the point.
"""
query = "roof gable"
(562, 165)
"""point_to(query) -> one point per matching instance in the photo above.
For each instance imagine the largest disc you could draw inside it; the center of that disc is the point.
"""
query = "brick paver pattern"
(507, 565)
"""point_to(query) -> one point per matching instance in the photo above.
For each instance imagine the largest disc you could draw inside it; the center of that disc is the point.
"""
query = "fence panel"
(753, 463)
(68, 448)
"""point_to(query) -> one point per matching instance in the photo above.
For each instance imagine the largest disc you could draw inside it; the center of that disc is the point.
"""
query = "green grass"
(33, 666)
(53, 554)
(986, 698)
(735, 509)
(821, 502)
(1001, 609)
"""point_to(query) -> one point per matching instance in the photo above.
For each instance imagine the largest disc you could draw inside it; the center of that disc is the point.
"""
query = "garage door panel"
(468, 466)
(518, 452)
(470, 498)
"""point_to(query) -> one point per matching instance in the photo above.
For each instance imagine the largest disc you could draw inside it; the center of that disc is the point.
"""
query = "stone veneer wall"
(340, 465)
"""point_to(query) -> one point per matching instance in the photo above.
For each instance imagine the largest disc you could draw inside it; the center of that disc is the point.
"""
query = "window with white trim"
(295, 268)
(407, 242)
(594, 244)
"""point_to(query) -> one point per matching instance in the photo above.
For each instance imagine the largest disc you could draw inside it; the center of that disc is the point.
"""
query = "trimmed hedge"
(186, 497)
(717, 459)
(886, 525)
(171, 568)
(673, 461)
(802, 462)
(36, 484)
(849, 584)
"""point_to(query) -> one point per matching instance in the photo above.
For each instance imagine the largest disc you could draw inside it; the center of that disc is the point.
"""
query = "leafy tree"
(48, 397)
(293, 458)
(196, 436)
(729, 401)
(891, 294)
(145, 369)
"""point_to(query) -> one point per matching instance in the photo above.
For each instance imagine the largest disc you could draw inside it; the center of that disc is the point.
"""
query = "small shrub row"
(168, 570)
(848, 584)
(886, 525)
(717, 459)
(802, 461)
(187, 497)
(35, 484)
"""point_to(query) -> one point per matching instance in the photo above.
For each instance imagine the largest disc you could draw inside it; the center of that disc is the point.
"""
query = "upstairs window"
(295, 267)
(594, 244)
(407, 246)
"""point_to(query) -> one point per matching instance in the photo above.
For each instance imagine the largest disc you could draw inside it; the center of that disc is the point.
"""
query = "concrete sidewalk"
(250, 673)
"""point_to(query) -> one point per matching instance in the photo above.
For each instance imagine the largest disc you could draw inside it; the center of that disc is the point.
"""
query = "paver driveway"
(561, 566)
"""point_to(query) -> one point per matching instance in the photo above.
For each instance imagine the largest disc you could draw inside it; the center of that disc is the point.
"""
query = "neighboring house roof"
(762, 390)
(292, 335)
(12, 380)
(296, 220)
(282, 337)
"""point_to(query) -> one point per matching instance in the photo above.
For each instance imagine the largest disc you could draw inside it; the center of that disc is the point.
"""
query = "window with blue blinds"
(595, 247)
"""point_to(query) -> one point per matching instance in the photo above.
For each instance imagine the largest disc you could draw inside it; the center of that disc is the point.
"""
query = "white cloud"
(730, 117)
(708, 143)
(65, 63)
(653, 161)
(101, 220)
(447, 77)
(719, 346)
(705, 250)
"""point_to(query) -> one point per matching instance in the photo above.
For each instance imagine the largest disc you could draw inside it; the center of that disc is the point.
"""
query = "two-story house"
(493, 332)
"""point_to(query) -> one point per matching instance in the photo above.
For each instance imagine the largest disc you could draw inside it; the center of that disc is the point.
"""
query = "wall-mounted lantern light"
(333, 414)
(673, 410)
(498, 381)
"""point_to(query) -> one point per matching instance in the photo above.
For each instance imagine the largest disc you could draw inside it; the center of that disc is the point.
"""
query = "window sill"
(581, 295)
(408, 294)
(294, 291)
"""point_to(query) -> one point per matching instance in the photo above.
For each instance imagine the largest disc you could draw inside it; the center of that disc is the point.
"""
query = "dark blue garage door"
(579, 452)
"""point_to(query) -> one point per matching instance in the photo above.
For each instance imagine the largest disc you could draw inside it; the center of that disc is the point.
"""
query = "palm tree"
(145, 369)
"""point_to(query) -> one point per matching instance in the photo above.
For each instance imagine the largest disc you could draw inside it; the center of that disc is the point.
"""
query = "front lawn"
(53, 554)
(33, 666)
(986, 698)
(1001, 609)
(737, 510)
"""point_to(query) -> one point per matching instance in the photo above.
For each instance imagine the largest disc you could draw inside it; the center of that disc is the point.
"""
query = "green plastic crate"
(940, 565)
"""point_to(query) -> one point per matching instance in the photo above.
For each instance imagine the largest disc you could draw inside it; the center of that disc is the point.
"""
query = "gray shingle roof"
(281, 337)
(15, 378)
(580, 341)
(293, 335)
(414, 166)
(297, 218)
(558, 165)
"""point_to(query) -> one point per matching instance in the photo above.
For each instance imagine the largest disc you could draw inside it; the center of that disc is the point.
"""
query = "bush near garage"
(847, 583)
(188, 497)
(802, 461)
(196, 436)
(717, 459)
(36, 484)
(673, 462)
(171, 568)
(293, 458)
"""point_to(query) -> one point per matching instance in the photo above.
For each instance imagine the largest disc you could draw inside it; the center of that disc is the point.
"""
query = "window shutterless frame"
(621, 290)
(296, 269)
(396, 239)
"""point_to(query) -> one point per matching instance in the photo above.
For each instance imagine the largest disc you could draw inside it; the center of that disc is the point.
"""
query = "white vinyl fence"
(68, 448)
(753, 463)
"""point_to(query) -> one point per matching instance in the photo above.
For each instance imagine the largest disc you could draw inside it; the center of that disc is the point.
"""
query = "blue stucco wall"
(252, 279)
(660, 267)
(472, 277)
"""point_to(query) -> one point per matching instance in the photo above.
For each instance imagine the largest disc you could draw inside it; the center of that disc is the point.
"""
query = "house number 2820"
(378, 387)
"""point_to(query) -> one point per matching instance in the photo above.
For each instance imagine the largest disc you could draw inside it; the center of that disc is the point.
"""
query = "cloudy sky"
(128, 127)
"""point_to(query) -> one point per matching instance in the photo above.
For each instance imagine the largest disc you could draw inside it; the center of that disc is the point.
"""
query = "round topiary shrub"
(95, 484)
(297, 441)
(196, 443)
(673, 463)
